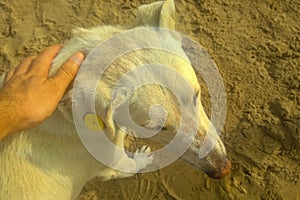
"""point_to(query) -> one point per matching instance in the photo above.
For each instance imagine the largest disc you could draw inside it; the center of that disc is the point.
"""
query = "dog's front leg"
(129, 166)
(139, 161)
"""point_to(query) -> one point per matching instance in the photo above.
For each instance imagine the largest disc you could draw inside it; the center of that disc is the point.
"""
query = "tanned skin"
(28, 96)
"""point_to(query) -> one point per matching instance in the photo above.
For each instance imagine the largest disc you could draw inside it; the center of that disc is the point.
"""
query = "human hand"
(28, 95)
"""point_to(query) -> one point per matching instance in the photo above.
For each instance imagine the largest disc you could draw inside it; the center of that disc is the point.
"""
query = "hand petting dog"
(28, 96)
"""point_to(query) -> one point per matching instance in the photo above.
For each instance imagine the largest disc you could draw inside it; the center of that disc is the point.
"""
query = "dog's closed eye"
(164, 128)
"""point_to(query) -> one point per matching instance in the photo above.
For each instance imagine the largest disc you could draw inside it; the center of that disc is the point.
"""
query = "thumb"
(68, 70)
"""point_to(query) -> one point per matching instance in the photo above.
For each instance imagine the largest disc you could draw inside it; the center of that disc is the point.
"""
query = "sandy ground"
(256, 45)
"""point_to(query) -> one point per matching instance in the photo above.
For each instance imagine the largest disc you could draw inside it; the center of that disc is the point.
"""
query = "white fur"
(50, 162)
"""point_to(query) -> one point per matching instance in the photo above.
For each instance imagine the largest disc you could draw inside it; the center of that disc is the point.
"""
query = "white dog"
(50, 162)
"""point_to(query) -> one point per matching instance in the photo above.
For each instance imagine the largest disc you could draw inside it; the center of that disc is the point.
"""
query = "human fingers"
(24, 66)
(66, 73)
(40, 66)
(9, 74)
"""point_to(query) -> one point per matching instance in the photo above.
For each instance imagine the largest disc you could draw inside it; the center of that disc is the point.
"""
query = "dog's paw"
(142, 158)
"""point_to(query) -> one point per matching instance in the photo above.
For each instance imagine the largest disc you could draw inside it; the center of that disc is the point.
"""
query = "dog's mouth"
(215, 164)
(216, 168)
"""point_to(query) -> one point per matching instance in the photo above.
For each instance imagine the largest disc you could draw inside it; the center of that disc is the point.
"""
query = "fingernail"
(78, 58)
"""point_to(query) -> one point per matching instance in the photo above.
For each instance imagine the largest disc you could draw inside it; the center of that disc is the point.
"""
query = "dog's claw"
(142, 157)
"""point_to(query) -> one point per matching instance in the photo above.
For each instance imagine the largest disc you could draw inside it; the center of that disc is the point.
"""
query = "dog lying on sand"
(50, 162)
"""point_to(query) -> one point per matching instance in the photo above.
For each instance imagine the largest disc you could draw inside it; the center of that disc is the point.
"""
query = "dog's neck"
(48, 158)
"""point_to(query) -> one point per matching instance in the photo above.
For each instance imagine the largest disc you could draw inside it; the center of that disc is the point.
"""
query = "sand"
(256, 45)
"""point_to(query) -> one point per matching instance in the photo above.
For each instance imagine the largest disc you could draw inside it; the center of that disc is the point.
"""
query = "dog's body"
(50, 162)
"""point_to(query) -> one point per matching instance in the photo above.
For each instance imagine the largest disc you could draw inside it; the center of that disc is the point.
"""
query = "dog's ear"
(118, 99)
(159, 14)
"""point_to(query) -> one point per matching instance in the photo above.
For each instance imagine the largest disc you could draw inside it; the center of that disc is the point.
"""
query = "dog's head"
(146, 98)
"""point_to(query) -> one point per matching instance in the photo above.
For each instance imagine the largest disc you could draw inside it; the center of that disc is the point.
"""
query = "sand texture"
(256, 45)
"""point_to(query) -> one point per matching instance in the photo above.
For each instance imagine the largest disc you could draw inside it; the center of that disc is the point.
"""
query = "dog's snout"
(219, 173)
